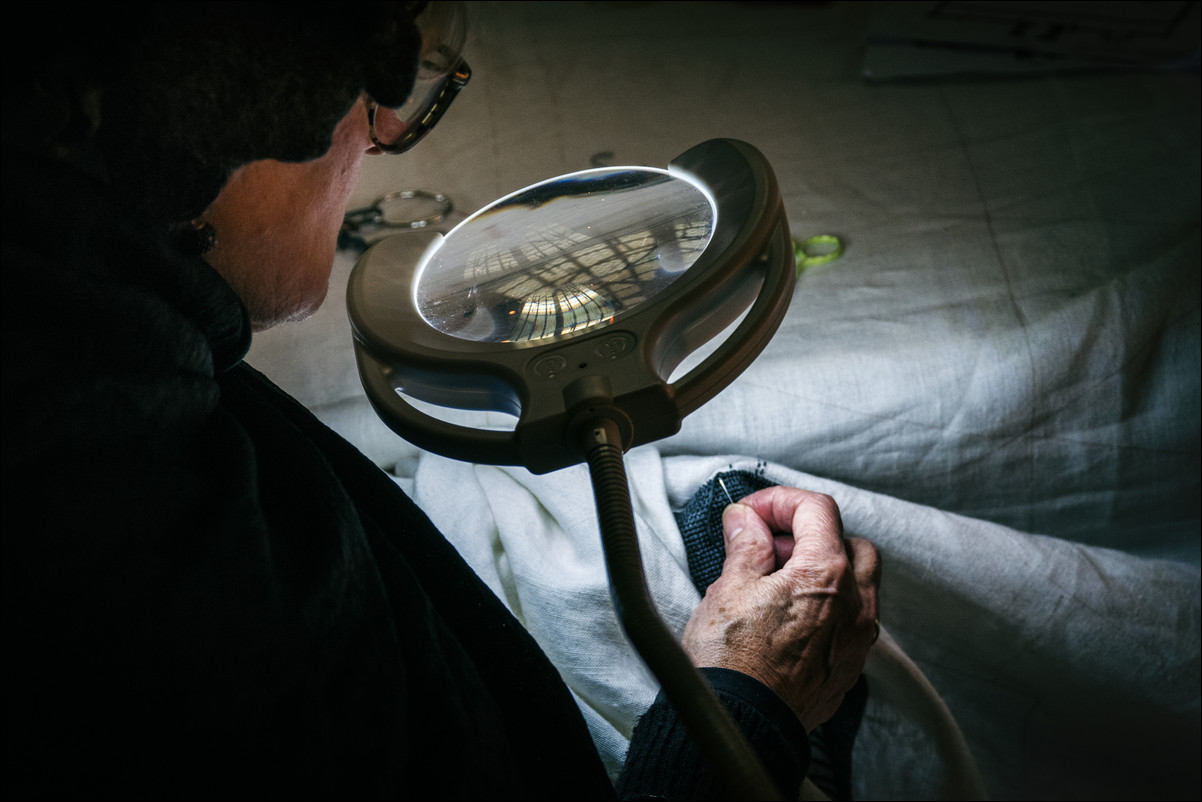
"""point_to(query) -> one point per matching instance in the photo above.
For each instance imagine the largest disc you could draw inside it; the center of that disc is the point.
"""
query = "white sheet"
(999, 380)
(1040, 647)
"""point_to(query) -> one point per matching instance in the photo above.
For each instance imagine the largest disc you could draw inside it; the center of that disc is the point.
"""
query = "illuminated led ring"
(409, 194)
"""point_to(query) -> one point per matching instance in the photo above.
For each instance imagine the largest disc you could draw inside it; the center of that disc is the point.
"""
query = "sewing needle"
(724, 490)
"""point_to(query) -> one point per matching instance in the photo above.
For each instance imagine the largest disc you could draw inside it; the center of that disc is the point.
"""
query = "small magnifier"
(570, 305)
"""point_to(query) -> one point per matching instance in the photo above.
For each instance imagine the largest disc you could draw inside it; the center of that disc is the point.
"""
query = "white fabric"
(1055, 630)
(999, 381)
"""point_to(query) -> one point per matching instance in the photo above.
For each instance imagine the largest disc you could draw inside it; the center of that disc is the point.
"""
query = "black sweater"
(208, 593)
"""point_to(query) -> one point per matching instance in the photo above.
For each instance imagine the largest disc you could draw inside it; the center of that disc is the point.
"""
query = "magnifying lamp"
(569, 305)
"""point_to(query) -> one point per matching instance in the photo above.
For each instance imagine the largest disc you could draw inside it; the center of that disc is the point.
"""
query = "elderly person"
(207, 593)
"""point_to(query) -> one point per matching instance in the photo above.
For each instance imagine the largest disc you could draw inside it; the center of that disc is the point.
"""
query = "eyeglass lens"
(441, 73)
(392, 124)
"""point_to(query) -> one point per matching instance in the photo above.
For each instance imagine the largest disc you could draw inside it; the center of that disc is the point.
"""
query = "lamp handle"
(741, 348)
(427, 432)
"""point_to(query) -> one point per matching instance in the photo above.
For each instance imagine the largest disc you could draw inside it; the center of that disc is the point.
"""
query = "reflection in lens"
(560, 312)
(564, 255)
(443, 28)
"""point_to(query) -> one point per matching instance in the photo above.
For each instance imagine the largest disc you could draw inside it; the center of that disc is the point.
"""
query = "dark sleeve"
(664, 763)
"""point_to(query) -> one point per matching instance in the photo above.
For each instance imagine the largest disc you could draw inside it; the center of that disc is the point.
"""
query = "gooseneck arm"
(729, 754)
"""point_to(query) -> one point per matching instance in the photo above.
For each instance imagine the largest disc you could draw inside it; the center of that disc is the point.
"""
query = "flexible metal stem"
(729, 754)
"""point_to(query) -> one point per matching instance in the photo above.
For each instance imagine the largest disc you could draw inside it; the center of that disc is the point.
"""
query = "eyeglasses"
(396, 130)
(441, 73)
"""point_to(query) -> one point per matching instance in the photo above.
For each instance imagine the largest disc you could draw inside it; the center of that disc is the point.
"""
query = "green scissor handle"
(817, 250)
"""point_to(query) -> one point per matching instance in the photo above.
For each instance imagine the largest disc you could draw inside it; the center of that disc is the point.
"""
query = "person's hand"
(798, 610)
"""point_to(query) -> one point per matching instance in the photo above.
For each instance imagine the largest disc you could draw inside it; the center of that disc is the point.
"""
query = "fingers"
(866, 563)
(808, 536)
(781, 526)
(749, 544)
(812, 518)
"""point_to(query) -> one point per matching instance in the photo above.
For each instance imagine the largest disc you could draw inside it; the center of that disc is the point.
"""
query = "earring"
(195, 237)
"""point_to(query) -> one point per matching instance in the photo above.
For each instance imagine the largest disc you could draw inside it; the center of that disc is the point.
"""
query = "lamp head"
(577, 298)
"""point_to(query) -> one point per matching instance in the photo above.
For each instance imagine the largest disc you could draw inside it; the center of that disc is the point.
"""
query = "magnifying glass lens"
(533, 269)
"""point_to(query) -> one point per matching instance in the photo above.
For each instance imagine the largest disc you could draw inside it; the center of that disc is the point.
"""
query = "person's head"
(251, 117)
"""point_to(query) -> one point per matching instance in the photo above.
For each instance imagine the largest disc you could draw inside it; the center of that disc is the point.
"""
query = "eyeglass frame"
(455, 80)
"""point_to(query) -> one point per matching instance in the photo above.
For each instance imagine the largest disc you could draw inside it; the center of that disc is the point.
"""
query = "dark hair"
(168, 98)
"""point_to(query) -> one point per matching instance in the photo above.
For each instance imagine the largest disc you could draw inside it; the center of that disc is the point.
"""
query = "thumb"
(749, 546)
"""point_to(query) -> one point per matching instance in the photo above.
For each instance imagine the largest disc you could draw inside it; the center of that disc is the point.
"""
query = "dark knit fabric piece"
(700, 523)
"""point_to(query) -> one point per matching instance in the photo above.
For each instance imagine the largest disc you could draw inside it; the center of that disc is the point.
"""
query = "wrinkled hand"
(797, 611)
